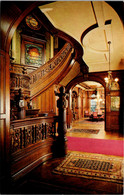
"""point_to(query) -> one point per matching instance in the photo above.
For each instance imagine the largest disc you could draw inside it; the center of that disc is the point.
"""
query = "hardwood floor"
(42, 181)
(84, 123)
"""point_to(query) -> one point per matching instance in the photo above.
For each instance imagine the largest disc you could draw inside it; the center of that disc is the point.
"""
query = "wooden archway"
(89, 77)
(80, 79)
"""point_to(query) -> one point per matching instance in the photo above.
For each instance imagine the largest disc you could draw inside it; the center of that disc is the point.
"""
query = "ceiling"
(92, 24)
(89, 85)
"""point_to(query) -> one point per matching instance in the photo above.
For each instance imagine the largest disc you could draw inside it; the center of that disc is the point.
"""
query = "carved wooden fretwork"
(49, 66)
(22, 68)
(18, 81)
(21, 137)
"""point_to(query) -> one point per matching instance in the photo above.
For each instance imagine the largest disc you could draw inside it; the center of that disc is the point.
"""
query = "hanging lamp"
(109, 79)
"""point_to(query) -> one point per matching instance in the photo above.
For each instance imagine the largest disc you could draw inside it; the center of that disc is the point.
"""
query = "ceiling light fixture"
(110, 79)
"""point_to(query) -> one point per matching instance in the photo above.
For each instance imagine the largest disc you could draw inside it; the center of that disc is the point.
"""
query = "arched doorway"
(95, 95)
(87, 107)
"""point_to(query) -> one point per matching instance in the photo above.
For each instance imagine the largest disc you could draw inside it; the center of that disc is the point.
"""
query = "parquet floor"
(42, 181)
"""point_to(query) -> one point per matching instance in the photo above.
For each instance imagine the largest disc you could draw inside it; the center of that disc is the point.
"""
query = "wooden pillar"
(69, 111)
(61, 147)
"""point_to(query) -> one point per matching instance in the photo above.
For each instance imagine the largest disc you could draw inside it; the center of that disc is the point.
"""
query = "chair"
(102, 117)
(95, 116)
(86, 113)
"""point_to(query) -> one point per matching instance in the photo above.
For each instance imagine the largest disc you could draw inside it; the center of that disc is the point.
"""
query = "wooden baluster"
(33, 135)
(39, 132)
(54, 125)
(42, 131)
(45, 130)
(21, 138)
(24, 137)
(12, 137)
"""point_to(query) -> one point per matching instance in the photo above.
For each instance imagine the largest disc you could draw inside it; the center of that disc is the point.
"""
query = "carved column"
(19, 91)
(61, 147)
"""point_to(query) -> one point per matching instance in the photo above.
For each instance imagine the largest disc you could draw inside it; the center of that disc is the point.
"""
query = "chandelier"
(109, 80)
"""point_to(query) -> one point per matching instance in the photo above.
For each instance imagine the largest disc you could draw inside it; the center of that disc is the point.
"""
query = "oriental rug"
(92, 166)
(90, 131)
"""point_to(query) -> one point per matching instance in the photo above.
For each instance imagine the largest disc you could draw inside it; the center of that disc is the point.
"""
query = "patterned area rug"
(90, 131)
(92, 166)
(88, 121)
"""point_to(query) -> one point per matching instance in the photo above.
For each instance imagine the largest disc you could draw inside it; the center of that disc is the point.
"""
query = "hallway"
(85, 123)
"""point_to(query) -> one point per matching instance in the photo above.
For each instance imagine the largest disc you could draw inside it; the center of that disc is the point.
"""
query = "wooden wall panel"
(47, 93)
(39, 102)
(51, 98)
(2, 150)
(46, 101)
(4, 113)
(2, 84)
(43, 101)
(27, 159)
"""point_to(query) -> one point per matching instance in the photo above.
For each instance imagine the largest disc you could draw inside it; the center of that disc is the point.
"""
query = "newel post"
(61, 143)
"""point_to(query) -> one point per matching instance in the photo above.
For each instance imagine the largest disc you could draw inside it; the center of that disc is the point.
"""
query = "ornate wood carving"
(18, 81)
(61, 147)
(23, 134)
(31, 143)
(49, 66)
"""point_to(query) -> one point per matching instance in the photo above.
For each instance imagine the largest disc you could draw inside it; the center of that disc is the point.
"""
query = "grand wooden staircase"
(51, 72)
(32, 137)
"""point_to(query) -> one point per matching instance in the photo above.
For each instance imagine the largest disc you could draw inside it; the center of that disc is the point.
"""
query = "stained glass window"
(33, 54)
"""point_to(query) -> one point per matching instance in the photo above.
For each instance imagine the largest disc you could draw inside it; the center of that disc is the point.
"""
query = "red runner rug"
(99, 146)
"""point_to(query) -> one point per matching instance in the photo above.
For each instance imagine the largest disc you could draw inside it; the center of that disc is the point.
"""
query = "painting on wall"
(115, 86)
(115, 103)
(33, 54)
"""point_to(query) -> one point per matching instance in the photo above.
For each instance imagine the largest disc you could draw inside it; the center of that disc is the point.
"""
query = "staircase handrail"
(50, 65)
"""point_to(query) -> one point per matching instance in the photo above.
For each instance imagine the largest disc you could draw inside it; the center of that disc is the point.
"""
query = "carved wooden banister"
(30, 131)
(50, 65)
(23, 69)
(34, 80)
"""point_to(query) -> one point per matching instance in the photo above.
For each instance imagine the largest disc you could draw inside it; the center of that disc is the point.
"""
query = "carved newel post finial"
(62, 104)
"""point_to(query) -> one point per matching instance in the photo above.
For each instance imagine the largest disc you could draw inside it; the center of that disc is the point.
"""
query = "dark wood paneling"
(4, 110)
(31, 143)
(27, 159)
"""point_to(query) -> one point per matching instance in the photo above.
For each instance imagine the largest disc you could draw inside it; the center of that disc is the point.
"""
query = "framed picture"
(33, 51)
(33, 54)
(115, 103)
